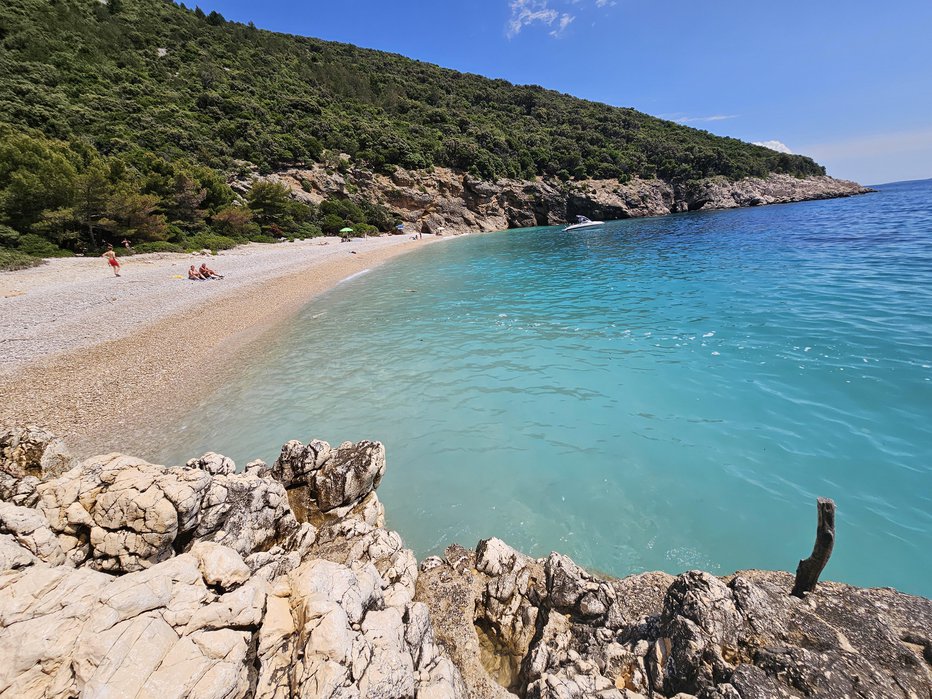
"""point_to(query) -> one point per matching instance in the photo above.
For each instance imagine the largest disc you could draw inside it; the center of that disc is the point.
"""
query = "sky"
(848, 83)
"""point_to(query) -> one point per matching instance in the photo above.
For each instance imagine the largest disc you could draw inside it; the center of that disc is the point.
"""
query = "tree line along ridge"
(127, 117)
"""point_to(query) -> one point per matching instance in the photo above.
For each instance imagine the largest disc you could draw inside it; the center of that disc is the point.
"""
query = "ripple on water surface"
(669, 393)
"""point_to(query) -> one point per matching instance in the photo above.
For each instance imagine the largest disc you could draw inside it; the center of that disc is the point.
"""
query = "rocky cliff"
(126, 579)
(443, 200)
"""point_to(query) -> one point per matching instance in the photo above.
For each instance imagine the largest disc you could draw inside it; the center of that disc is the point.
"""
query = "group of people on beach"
(202, 272)
(194, 272)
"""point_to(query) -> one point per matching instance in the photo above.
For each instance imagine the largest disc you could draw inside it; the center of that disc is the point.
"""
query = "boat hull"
(588, 224)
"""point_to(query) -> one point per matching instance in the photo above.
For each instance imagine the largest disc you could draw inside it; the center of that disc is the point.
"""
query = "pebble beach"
(91, 355)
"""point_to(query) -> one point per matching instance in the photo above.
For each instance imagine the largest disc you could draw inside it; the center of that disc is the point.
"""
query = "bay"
(667, 393)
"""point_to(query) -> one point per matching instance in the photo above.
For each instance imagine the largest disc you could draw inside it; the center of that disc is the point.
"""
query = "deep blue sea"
(666, 393)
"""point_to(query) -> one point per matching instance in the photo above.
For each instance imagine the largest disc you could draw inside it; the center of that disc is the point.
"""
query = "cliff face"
(123, 578)
(453, 202)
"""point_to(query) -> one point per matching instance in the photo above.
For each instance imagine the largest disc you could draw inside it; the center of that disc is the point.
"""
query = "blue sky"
(849, 83)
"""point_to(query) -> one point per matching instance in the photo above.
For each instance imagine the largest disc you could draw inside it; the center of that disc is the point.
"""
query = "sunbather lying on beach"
(208, 273)
(193, 273)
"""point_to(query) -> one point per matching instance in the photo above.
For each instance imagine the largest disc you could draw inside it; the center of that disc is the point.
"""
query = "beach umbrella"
(346, 230)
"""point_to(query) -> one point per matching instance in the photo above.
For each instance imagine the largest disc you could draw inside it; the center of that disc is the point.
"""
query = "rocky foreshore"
(444, 200)
(121, 578)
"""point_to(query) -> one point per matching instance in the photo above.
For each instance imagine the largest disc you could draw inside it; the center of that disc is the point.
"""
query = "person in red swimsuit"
(112, 260)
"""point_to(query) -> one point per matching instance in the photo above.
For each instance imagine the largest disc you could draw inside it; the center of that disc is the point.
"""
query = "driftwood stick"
(809, 570)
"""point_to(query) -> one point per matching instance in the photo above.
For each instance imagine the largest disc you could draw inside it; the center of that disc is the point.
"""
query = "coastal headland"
(126, 578)
(443, 199)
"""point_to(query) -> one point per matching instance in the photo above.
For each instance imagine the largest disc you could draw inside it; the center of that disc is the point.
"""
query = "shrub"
(308, 230)
(262, 238)
(158, 246)
(361, 229)
(209, 241)
(8, 237)
(14, 259)
(37, 246)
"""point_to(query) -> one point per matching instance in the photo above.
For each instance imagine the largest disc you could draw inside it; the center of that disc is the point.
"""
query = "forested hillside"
(126, 116)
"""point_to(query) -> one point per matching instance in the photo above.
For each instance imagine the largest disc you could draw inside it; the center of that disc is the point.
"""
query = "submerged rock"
(124, 578)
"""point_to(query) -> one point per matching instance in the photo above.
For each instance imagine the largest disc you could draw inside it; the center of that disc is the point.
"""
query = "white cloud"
(714, 117)
(525, 12)
(565, 21)
(778, 146)
(550, 13)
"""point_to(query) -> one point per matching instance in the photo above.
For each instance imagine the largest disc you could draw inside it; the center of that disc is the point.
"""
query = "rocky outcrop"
(326, 484)
(119, 514)
(548, 629)
(443, 200)
(124, 578)
(32, 451)
(130, 579)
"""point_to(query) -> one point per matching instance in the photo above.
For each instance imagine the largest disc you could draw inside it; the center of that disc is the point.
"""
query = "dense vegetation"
(123, 118)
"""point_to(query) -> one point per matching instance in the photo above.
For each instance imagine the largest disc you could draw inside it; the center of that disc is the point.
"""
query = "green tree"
(183, 205)
(234, 221)
(57, 226)
(92, 193)
(271, 205)
(134, 215)
(35, 175)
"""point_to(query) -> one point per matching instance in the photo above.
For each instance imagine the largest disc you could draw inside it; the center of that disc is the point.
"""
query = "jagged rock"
(351, 473)
(31, 531)
(19, 491)
(566, 633)
(326, 484)
(289, 609)
(700, 625)
(285, 610)
(220, 565)
(33, 451)
(446, 201)
(120, 514)
(451, 591)
(214, 464)
(65, 632)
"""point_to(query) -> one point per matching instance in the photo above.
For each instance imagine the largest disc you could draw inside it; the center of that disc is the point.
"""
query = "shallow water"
(665, 393)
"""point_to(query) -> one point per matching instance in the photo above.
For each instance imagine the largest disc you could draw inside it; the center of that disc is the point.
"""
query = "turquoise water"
(665, 393)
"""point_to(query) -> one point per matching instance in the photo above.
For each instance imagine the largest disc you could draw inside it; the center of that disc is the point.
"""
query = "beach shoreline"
(97, 358)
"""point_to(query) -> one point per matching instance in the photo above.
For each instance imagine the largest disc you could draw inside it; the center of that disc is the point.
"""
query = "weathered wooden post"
(809, 570)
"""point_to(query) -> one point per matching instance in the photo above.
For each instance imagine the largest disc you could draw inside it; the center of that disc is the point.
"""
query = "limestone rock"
(31, 531)
(444, 201)
(326, 484)
(120, 514)
(220, 565)
(19, 491)
(33, 451)
(547, 628)
(352, 472)
(218, 591)
(214, 464)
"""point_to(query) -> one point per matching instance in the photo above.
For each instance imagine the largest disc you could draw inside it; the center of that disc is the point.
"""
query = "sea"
(668, 393)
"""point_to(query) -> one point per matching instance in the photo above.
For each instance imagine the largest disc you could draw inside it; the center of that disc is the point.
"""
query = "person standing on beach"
(112, 260)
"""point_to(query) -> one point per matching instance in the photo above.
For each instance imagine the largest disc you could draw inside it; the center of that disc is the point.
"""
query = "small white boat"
(583, 222)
